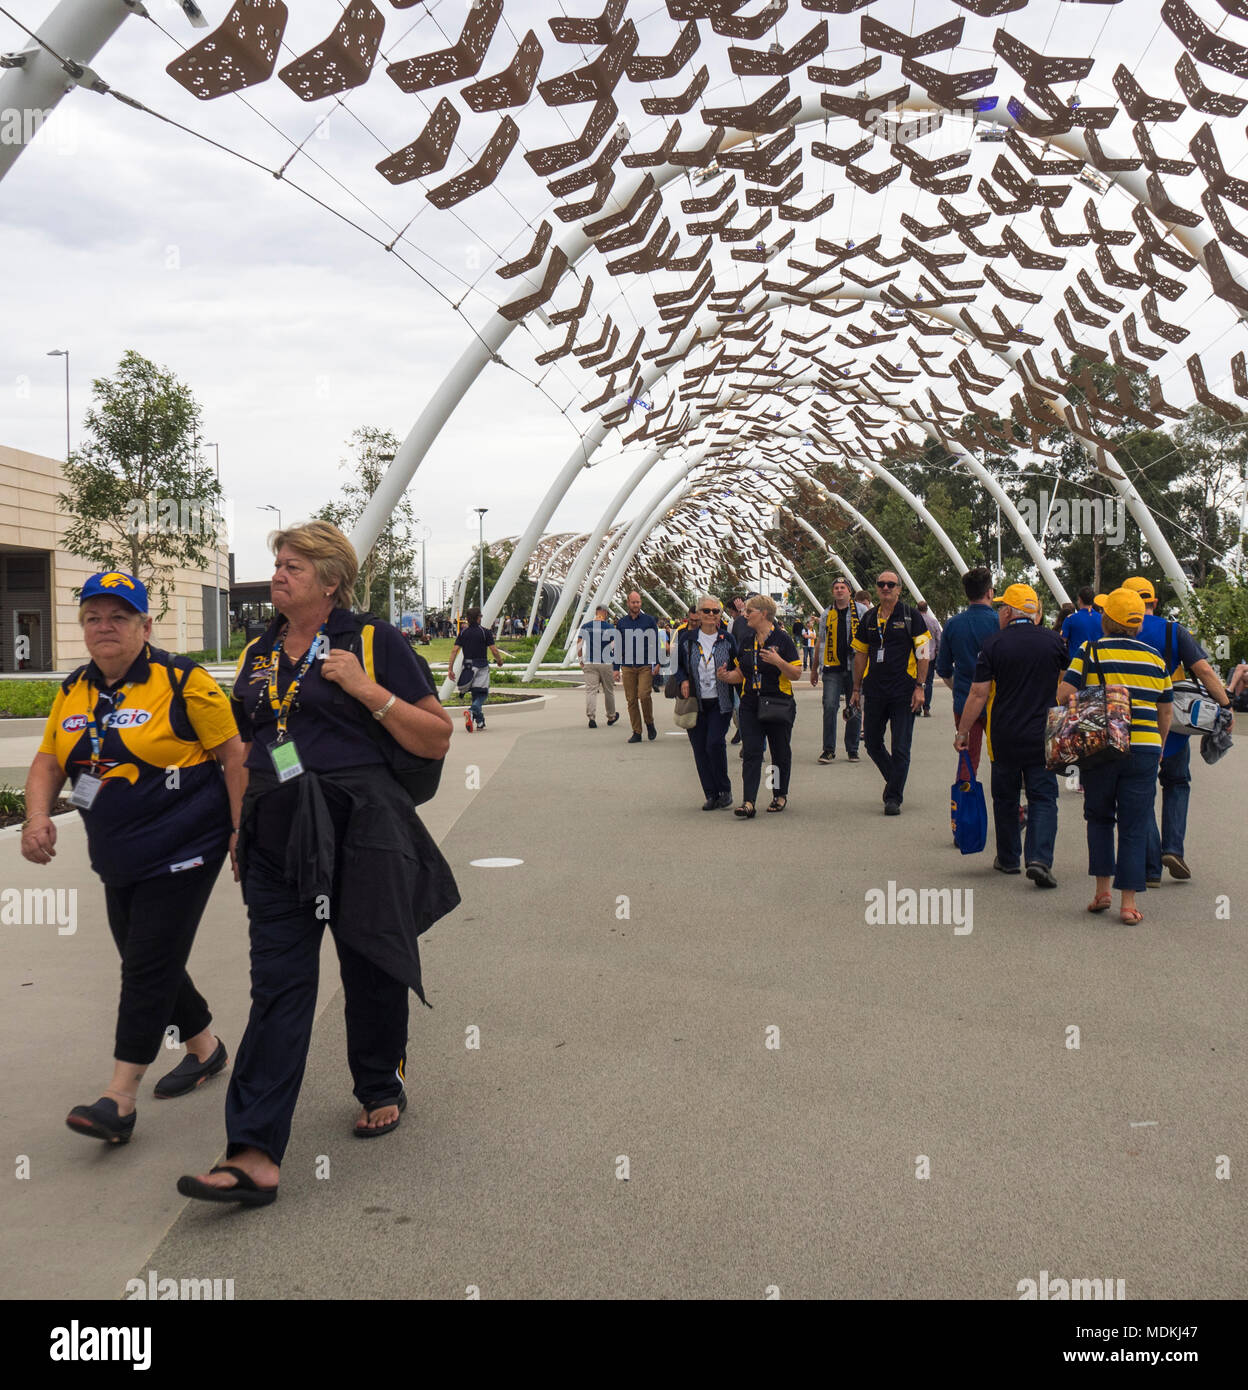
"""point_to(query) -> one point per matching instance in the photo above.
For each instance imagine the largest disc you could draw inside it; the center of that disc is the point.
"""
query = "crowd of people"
(307, 777)
(1006, 671)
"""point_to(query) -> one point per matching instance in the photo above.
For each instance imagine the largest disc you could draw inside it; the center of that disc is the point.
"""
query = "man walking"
(1084, 624)
(595, 650)
(637, 660)
(963, 636)
(890, 673)
(1185, 656)
(1014, 677)
(837, 629)
(934, 631)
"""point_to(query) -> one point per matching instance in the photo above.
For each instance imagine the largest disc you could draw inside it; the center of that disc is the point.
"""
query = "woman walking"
(145, 736)
(1119, 794)
(331, 706)
(703, 653)
(765, 668)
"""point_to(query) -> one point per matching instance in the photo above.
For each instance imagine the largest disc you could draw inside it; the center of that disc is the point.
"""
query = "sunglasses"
(885, 584)
(711, 611)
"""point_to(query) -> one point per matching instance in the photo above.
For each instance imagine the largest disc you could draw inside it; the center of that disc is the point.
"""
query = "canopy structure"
(826, 231)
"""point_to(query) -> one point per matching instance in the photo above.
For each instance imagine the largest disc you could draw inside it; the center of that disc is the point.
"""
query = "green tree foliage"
(516, 603)
(139, 496)
(1222, 621)
(395, 554)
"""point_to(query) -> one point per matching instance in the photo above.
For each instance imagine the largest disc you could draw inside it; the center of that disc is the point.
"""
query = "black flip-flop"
(401, 1102)
(245, 1192)
(190, 1073)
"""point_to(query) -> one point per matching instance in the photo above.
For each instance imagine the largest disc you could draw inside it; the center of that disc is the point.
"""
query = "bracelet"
(36, 816)
(385, 709)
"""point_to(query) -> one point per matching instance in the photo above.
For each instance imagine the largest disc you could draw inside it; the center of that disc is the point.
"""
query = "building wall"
(31, 521)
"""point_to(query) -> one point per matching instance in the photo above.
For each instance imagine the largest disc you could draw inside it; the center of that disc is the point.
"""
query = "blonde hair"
(331, 553)
(762, 603)
(1111, 627)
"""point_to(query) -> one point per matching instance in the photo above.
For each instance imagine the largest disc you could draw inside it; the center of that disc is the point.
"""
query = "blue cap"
(116, 584)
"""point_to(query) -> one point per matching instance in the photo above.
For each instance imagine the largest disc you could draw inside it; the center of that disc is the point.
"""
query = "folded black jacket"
(384, 877)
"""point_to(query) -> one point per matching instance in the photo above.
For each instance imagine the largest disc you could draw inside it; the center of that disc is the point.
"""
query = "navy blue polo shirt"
(960, 646)
(639, 641)
(325, 730)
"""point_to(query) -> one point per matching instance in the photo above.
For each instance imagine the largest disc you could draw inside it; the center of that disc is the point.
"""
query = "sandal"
(363, 1132)
(102, 1121)
(778, 803)
(1131, 916)
(745, 810)
(1101, 903)
(245, 1191)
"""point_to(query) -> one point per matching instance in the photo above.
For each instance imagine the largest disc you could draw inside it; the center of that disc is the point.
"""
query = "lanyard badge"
(282, 752)
(89, 783)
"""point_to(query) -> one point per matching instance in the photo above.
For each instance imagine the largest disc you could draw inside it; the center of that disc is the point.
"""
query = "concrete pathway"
(702, 1071)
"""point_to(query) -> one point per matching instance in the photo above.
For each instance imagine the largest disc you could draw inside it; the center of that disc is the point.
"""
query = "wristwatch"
(385, 709)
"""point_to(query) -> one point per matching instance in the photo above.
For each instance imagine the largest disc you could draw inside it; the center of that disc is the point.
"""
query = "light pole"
(269, 507)
(481, 511)
(216, 592)
(64, 352)
(424, 577)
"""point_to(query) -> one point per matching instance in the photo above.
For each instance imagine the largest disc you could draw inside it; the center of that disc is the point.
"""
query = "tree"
(394, 553)
(140, 498)
(518, 601)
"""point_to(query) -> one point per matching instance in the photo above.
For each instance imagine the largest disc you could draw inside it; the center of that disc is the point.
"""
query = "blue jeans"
(927, 684)
(478, 702)
(892, 711)
(1008, 780)
(1175, 776)
(1121, 794)
(835, 684)
(709, 754)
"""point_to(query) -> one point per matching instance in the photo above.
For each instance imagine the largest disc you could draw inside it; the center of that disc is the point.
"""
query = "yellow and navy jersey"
(162, 805)
(761, 677)
(1130, 662)
(892, 662)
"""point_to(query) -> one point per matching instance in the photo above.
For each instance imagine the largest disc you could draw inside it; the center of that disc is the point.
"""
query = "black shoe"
(652, 731)
(853, 758)
(711, 803)
(892, 808)
(1177, 866)
(1041, 876)
(927, 714)
(191, 1072)
(1004, 868)
(827, 756)
(636, 738)
(724, 802)
(612, 720)
(101, 1121)
(593, 723)
(736, 738)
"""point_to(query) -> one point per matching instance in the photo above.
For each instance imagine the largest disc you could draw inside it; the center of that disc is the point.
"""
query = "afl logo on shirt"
(121, 719)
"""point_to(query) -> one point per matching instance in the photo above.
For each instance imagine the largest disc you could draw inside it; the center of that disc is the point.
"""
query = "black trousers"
(709, 754)
(892, 712)
(285, 967)
(153, 923)
(779, 739)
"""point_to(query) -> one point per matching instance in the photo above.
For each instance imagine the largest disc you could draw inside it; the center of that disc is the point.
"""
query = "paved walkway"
(626, 981)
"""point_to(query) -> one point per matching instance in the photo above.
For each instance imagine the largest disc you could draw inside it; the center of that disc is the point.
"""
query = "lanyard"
(93, 727)
(282, 708)
(757, 683)
(706, 657)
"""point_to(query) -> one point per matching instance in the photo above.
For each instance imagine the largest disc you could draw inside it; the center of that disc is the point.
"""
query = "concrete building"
(39, 577)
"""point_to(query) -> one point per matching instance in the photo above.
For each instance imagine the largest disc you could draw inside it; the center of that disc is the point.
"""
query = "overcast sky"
(293, 328)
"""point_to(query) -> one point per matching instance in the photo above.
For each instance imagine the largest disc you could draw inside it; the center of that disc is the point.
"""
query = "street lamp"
(481, 511)
(64, 352)
(424, 577)
(269, 507)
(216, 592)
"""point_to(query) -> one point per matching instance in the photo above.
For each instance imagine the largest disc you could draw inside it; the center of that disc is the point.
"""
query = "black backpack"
(419, 777)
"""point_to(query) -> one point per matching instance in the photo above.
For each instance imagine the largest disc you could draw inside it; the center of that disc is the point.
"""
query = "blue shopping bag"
(967, 808)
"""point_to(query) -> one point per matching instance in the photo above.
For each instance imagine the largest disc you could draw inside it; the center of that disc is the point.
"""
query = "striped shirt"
(1130, 662)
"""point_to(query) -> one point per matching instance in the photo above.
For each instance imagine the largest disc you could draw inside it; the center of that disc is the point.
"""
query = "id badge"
(86, 789)
(879, 656)
(286, 760)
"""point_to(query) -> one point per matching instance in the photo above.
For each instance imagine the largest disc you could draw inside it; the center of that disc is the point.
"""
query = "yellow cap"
(1141, 587)
(1021, 597)
(1125, 606)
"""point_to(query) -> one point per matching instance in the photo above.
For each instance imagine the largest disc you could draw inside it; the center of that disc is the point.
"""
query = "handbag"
(1093, 727)
(686, 714)
(776, 709)
(967, 808)
(1192, 710)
